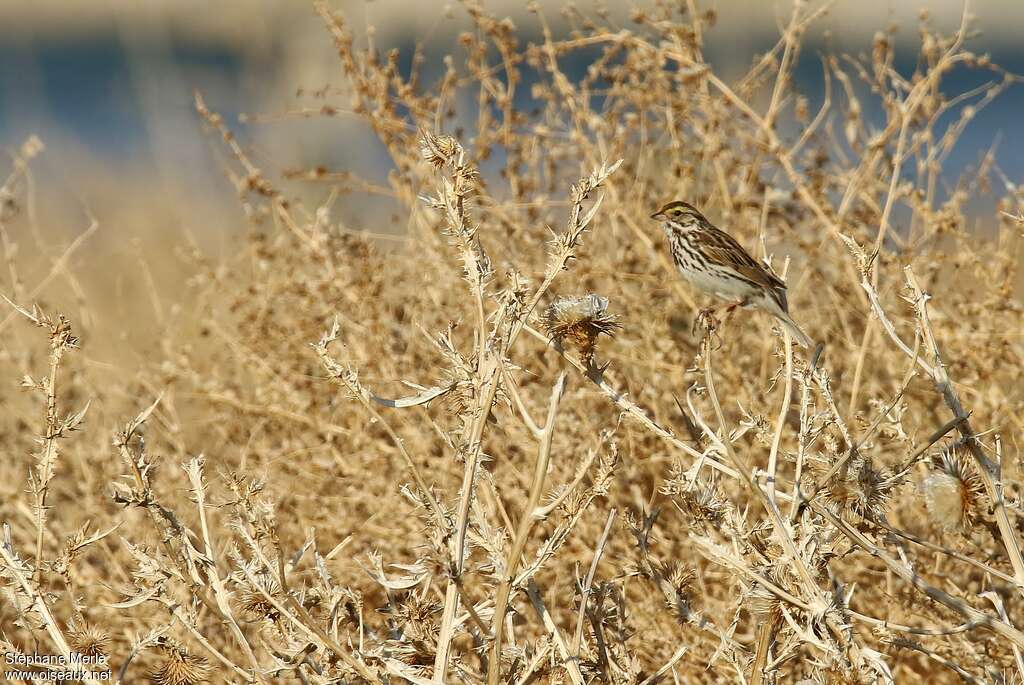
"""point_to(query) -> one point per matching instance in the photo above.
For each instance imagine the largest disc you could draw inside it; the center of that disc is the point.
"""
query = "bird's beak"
(658, 215)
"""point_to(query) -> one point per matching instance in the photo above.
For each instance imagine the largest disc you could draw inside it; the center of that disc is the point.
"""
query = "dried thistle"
(179, 667)
(953, 492)
(638, 99)
(88, 640)
(679, 577)
(701, 502)
(418, 614)
(762, 602)
(252, 599)
(580, 320)
(438, 150)
(861, 489)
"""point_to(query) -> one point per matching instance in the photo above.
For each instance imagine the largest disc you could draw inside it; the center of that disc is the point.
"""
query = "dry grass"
(439, 459)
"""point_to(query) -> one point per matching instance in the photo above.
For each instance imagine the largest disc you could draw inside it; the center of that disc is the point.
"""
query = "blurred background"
(107, 86)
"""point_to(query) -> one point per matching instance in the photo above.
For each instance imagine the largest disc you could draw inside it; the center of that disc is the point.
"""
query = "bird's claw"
(731, 309)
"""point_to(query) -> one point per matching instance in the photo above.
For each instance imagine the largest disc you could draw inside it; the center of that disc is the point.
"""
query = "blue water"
(88, 91)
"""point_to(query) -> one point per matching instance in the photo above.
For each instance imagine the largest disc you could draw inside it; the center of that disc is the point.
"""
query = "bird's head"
(679, 212)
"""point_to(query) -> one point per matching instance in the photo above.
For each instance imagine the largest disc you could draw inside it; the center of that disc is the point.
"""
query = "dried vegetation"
(491, 450)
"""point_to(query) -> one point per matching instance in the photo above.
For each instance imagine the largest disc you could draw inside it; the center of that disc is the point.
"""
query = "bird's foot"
(731, 308)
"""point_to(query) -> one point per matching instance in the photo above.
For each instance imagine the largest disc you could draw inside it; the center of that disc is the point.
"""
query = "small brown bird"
(714, 263)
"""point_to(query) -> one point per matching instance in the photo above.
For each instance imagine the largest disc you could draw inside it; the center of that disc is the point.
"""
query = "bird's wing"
(723, 250)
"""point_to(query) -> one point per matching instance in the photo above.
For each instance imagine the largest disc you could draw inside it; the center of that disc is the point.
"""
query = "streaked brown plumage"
(714, 263)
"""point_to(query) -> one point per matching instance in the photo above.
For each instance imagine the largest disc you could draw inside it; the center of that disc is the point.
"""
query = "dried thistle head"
(861, 489)
(88, 640)
(604, 474)
(838, 671)
(953, 492)
(762, 602)
(438, 150)
(580, 320)
(253, 600)
(575, 502)
(673, 580)
(179, 667)
(679, 577)
(701, 502)
(418, 615)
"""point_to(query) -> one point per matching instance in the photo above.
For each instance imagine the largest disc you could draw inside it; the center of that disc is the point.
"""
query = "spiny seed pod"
(579, 321)
(254, 602)
(574, 503)
(701, 502)
(953, 492)
(762, 602)
(89, 640)
(860, 490)
(679, 577)
(178, 667)
(418, 616)
(438, 150)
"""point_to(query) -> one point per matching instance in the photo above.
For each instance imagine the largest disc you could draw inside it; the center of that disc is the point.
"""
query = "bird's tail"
(798, 335)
